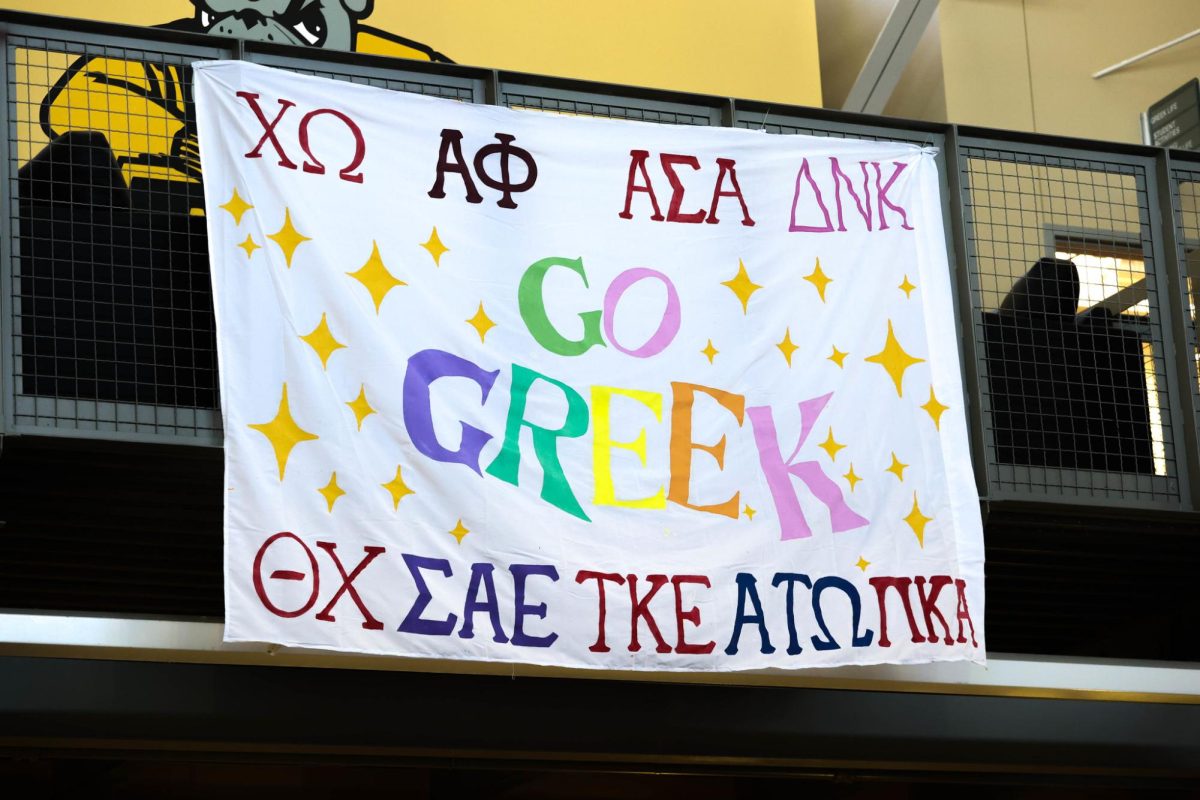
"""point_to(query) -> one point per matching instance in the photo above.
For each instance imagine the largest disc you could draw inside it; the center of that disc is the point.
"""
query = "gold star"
(786, 347)
(741, 285)
(831, 446)
(359, 405)
(397, 488)
(710, 351)
(435, 247)
(851, 478)
(934, 409)
(375, 277)
(916, 520)
(897, 468)
(749, 512)
(893, 359)
(838, 357)
(459, 531)
(249, 245)
(321, 340)
(331, 491)
(283, 433)
(237, 207)
(819, 279)
(288, 238)
(862, 563)
(907, 287)
(481, 322)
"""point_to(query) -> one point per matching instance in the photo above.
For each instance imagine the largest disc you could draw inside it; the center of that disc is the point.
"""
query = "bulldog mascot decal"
(113, 267)
(143, 109)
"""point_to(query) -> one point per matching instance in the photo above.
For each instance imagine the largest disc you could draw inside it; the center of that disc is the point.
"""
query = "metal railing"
(1081, 377)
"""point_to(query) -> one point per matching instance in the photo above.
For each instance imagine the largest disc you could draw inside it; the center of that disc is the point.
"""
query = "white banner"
(512, 386)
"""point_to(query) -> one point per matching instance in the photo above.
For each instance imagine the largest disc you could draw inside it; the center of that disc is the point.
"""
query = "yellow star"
(288, 238)
(916, 520)
(331, 491)
(435, 247)
(838, 357)
(897, 468)
(741, 285)
(907, 287)
(934, 409)
(831, 446)
(237, 207)
(375, 277)
(283, 433)
(710, 351)
(851, 478)
(819, 279)
(321, 340)
(397, 488)
(481, 322)
(749, 512)
(893, 359)
(459, 531)
(862, 563)
(249, 245)
(359, 405)
(786, 347)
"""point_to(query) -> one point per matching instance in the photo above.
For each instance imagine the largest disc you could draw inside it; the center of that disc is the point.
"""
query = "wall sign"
(1175, 120)
(512, 386)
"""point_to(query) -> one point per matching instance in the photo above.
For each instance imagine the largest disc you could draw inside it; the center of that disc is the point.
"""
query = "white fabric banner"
(512, 386)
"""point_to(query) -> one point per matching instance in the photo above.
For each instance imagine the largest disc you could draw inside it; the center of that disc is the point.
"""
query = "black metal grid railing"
(1185, 190)
(107, 307)
(770, 121)
(1068, 322)
(109, 297)
(596, 104)
(449, 87)
(111, 305)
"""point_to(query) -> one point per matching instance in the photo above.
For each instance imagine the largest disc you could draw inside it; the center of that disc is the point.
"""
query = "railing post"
(1182, 362)
(8, 243)
(729, 113)
(964, 286)
(493, 93)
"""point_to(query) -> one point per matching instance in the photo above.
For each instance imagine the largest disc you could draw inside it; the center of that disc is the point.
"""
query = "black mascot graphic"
(115, 302)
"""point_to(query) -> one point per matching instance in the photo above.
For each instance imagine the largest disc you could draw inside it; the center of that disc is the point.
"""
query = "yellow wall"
(985, 63)
(767, 51)
(1028, 64)
(1022, 64)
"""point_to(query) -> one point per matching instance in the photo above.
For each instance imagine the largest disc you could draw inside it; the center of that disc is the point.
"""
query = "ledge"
(1007, 675)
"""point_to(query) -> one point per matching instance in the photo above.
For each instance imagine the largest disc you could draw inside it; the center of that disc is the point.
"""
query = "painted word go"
(532, 304)
(312, 164)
